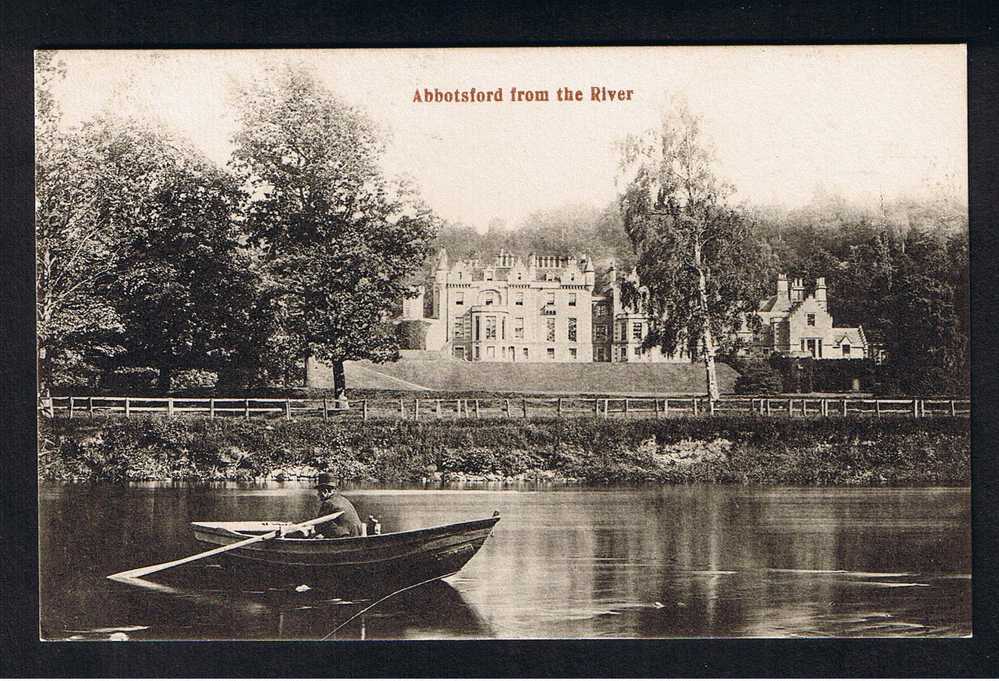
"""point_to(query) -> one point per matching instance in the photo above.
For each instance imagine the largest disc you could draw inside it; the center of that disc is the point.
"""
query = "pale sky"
(861, 121)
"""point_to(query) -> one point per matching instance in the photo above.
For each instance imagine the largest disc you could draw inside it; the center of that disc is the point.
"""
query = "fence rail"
(454, 408)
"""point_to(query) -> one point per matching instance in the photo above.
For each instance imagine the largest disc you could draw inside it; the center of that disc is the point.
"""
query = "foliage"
(701, 269)
(753, 450)
(335, 239)
(757, 377)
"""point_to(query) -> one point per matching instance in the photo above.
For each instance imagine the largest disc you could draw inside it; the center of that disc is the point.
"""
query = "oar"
(283, 530)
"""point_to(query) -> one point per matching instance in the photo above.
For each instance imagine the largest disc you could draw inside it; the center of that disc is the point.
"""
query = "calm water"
(646, 562)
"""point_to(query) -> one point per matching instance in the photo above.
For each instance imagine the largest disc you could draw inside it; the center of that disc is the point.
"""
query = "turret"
(820, 292)
(589, 276)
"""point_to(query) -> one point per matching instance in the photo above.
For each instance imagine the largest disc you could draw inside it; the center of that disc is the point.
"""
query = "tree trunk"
(709, 345)
(339, 383)
(164, 379)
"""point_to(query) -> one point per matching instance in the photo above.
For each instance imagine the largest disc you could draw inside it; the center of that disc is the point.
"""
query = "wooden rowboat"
(372, 562)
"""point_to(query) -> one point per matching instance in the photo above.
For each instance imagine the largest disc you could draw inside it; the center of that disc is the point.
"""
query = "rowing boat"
(382, 560)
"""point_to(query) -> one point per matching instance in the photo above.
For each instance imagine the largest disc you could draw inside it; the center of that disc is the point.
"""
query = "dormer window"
(846, 349)
(459, 299)
(490, 298)
(549, 299)
(811, 320)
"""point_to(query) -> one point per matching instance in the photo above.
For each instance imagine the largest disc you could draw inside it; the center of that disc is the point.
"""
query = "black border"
(25, 26)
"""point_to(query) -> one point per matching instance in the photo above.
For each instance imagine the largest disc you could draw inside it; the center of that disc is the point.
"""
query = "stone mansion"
(547, 310)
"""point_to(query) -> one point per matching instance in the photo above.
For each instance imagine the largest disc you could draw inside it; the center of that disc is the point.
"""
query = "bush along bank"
(746, 450)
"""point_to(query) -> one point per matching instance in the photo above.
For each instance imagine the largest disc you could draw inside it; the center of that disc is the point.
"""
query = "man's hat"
(325, 480)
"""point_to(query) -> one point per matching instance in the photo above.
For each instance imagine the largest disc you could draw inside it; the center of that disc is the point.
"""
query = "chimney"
(820, 292)
(797, 290)
(782, 287)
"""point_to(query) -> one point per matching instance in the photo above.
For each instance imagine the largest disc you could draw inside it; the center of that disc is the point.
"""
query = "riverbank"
(742, 450)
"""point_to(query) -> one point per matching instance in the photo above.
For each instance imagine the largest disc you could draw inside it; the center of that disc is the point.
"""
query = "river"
(569, 562)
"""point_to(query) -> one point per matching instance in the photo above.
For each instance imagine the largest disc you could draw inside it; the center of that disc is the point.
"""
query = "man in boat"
(331, 501)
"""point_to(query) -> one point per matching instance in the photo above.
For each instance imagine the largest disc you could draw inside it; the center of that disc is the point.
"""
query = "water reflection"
(608, 562)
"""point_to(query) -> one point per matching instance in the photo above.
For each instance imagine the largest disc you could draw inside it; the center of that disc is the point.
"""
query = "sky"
(787, 123)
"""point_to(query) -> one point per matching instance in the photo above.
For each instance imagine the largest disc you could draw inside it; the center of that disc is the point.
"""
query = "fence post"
(416, 410)
(507, 408)
(211, 408)
(326, 410)
(402, 408)
(90, 406)
(953, 408)
(769, 410)
(127, 410)
(70, 407)
(438, 410)
(364, 410)
(606, 407)
(711, 407)
(596, 406)
(666, 407)
(655, 406)
(558, 410)
(523, 406)
(246, 409)
(877, 408)
(825, 407)
(915, 408)
(627, 405)
(476, 409)
(287, 409)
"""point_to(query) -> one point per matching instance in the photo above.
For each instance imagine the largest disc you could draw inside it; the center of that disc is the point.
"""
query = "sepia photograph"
(503, 343)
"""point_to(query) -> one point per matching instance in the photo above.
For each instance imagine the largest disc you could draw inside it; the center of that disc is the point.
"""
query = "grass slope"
(561, 377)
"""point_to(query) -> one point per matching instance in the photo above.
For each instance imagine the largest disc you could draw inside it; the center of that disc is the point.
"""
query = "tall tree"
(180, 284)
(697, 257)
(336, 239)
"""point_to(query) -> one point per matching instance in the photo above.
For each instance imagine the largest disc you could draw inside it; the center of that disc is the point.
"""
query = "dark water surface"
(649, 562)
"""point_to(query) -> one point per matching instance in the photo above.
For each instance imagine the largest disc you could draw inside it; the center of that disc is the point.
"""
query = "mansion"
(547, 309)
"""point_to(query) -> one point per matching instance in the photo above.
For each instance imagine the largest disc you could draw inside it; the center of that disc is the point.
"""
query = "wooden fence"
(432, 409)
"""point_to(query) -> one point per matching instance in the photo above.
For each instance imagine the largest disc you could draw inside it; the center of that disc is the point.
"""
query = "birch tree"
(700, 266)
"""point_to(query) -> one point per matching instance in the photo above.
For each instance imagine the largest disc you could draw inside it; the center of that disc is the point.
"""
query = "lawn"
(541, 377)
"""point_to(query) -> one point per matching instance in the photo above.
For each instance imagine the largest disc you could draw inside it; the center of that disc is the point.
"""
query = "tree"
(180, 284)
(335, 239)
(697, 257)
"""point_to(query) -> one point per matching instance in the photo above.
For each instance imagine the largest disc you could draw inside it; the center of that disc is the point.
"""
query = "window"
(518, 299)
(549, 299)
(491, 352)
(550, 332)
(518, 327)
(503, 328)
(490, 328)
(476, 352)
(478, 330)
(811, 320)
(600, 310)
(459, 298)
(526, 355)
(490, 298)
(572, 300)
(551, 353)
(846, 349)
(572, 329)
(459, 329)
(572, 353)
(600, 333)
(636, 331)
(489, 275)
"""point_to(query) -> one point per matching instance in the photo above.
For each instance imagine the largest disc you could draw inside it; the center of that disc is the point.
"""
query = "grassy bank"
(747, 450)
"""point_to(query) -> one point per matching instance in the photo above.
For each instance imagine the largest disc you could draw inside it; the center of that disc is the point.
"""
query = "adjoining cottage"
(800, 325)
